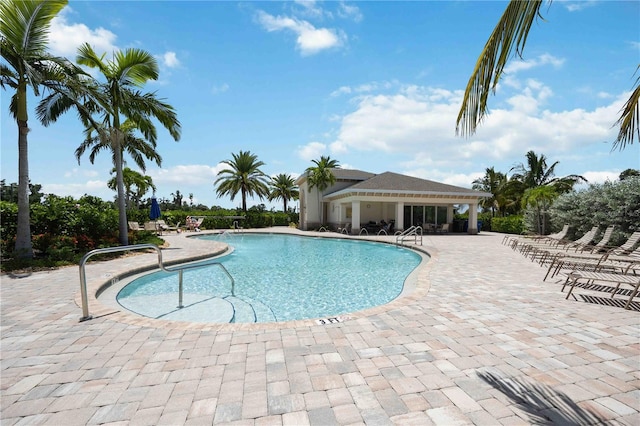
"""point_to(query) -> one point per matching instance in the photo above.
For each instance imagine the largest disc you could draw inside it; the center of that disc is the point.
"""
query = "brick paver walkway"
(482, 340)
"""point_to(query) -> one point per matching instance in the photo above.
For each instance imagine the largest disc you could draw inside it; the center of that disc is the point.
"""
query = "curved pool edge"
(417, 283)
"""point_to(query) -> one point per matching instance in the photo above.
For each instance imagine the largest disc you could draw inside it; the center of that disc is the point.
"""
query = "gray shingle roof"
(397, 182)
(351, 174)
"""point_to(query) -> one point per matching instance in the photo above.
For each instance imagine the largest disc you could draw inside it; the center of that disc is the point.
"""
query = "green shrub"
(610, 203)
(487, 221)
(8, 227)
(508, 225)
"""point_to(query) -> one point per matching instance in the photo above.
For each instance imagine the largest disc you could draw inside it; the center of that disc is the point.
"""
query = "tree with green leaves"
(121, 108)
(625, 174)
(242, 176)
(24, 33)
(135, 186)
(511, 33)
(283, 187)
(540, 198)
(177, 199)
(320, 176)
(537, 173)
(494, 183)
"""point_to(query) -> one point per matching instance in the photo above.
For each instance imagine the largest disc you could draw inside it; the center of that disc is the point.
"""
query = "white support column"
(355, 217)
(450, 213)
(400, 215)
(472, 227)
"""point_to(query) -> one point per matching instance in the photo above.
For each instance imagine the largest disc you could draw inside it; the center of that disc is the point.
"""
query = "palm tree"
(177, 199)
(321, 177)
(540, 198)
(511, 32)
(495, 183)
(135, 185)
(283, 187)
(24, 35)
(119, 97)
(536, 173)
(244, 176)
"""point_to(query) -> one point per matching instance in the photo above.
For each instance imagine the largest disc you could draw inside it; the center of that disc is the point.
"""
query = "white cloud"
(310, 40)
(600, 177)
(576, 6)
(343, 90)
(97, 188)
(349, 11)
(309, 8)
(169, 59)
(420, 121)
(220, 89)
(398, 123)
(516, 66)
(311, 151)
(191, 175)
(364, 88)
(75, 172)
(65, 38)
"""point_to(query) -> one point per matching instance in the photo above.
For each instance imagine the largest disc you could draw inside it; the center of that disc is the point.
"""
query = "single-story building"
(359, 198)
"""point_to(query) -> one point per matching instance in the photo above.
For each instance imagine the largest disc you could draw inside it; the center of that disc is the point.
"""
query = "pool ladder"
(178, 268)
(414, 232)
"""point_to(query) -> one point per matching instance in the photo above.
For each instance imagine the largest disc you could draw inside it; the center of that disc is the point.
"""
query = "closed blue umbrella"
(155, 213)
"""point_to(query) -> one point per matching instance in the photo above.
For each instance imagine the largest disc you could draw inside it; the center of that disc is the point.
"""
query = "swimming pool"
(277, 277)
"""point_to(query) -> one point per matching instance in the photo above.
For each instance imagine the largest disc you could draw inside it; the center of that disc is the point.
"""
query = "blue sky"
(375, 85)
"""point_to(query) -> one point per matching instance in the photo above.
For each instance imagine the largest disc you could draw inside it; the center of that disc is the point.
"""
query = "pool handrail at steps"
(413, 231)
(179, 268)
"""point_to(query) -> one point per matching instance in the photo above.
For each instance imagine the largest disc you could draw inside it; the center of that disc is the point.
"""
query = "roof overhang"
(388, 193)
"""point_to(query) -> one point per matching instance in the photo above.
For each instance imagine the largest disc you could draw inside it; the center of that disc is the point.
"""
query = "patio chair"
(627, 246)
(600, 245)
(134, 226)
(162, 226)
(193, 223)
(442, 229)
(515, 241)
(613, 260)
(153, 227)
(628, 277)
(544, 253)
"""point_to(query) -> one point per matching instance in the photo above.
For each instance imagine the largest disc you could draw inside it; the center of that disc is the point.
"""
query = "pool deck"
(481, 340)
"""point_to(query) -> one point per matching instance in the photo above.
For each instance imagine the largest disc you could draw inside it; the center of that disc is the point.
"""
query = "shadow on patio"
(543, 404)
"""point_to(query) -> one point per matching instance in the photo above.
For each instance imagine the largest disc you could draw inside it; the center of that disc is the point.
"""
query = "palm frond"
(26, 23)
(89, 58)
(510, 33)
(135, 67)
(629, 120)
(8, 77)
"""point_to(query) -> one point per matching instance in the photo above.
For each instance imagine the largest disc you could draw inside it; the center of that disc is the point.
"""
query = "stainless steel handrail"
(178, 268)
(415, 231)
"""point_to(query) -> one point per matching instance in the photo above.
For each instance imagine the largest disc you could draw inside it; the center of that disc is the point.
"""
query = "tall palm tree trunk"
(320, 207)
(23, 248)
(122, 202)
(244, 200)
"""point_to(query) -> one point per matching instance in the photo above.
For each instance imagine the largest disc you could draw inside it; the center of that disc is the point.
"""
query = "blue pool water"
(277, 278)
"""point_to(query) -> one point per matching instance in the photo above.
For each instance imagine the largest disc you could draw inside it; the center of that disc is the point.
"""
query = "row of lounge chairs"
(157, 226)
(193, 223)
(584, 263)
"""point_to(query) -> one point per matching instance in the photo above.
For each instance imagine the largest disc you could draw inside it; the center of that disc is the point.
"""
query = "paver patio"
(482, 340)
